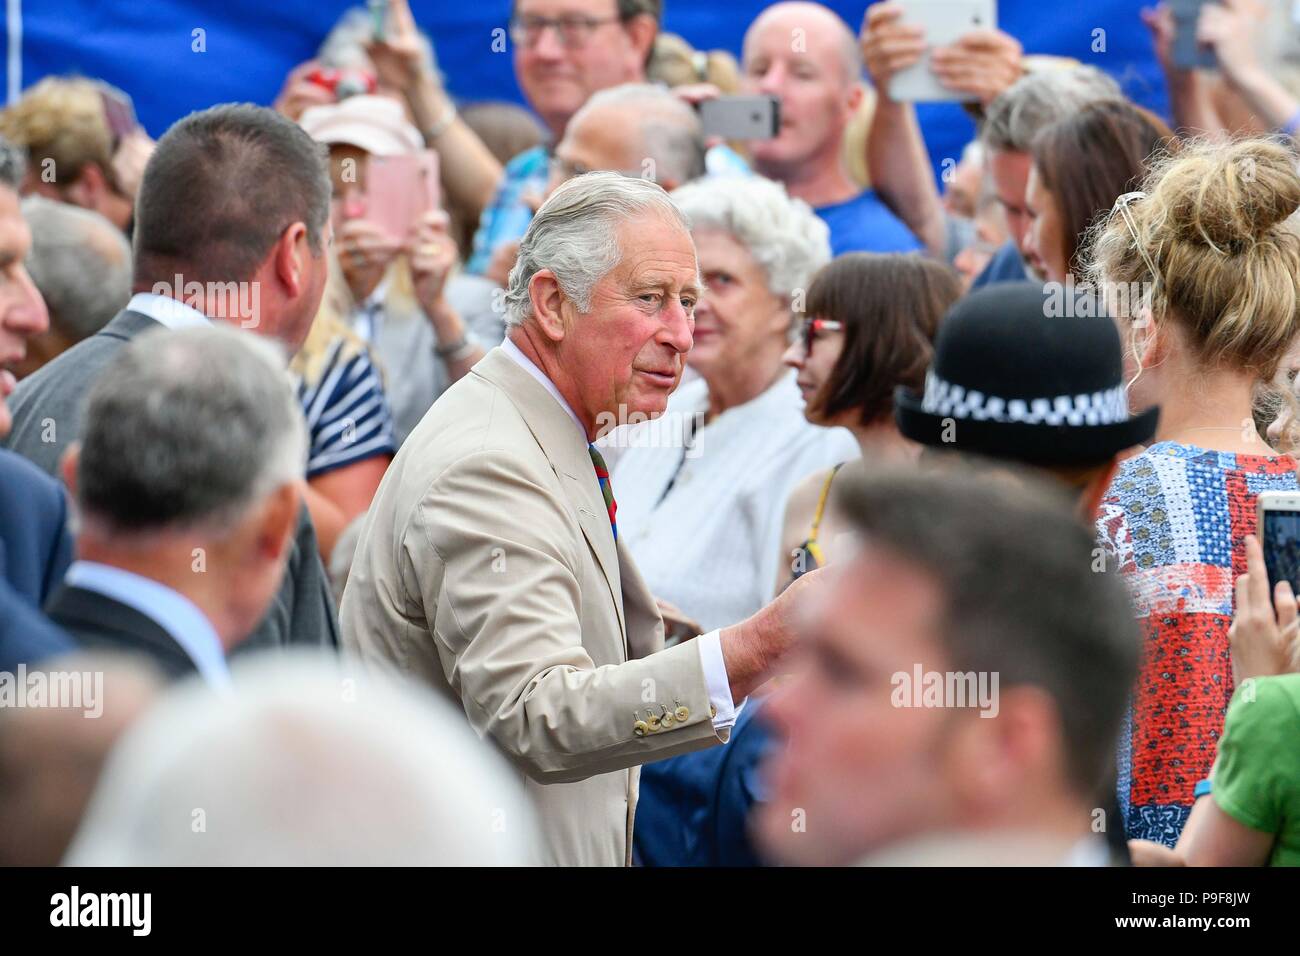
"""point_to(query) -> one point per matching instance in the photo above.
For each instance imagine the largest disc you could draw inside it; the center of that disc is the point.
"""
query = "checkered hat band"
(953, 401)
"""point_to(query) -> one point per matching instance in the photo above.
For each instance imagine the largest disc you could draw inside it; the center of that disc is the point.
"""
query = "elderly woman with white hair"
(701, 490)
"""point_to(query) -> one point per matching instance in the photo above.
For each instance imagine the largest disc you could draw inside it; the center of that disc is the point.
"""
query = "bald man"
(807, 57)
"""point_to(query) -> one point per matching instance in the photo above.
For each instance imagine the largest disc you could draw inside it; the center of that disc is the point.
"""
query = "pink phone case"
(400, 190)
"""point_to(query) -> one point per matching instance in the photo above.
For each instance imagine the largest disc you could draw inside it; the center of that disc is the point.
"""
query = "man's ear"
(641, 32)
(288, 258)
(68, 467)
(548, 301)
(276, 522)
(853, 98)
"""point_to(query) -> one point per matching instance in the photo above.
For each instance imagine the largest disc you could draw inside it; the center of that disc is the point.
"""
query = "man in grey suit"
(231, 225)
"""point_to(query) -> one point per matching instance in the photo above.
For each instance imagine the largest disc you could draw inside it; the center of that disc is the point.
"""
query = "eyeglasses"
(812, 328)
(1121, 207)
(573, 31)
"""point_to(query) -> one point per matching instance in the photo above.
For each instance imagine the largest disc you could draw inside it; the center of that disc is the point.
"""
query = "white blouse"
(701, 507)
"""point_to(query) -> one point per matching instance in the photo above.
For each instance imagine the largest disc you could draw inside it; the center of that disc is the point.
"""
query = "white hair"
(1039, 99)
(575, 236)
(671, 134)
(211, 423)
(305, 763)
(786, 238)
(80, 262)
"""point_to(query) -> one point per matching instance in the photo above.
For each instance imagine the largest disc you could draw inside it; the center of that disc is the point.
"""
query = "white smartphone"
(1278, 531)
(944, 22)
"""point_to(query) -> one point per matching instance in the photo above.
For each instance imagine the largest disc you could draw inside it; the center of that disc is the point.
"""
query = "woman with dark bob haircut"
(869, 327)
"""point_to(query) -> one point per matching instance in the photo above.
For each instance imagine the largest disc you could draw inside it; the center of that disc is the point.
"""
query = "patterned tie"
(606, 489)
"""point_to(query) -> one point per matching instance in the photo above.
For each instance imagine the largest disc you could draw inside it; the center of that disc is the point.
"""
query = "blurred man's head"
(635, 129)
(62, 123)
(22, 312)
(305, 764)
(1015, 118)
(233, 219)
(51, 757)
(807, 57)
(604, 293)
(967, 672)
(81, 264)
(566, 50)
(189, 468)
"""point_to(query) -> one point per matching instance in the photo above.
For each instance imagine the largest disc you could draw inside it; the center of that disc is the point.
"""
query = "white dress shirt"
(710, 644)
(170, 312)
(172, 611)
(704, 522)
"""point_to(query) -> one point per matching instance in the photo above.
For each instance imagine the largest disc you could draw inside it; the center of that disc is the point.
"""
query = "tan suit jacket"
(487, 567)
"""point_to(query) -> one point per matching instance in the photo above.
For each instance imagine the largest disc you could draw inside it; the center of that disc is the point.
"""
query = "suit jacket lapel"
(85, 612)
(566, 449)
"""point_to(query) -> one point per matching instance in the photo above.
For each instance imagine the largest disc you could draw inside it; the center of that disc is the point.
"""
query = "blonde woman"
(1207, 258)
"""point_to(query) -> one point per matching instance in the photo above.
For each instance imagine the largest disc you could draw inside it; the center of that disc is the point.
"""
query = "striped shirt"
(348, 419)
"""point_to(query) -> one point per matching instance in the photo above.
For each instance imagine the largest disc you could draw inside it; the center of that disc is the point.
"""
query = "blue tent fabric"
(148, 47)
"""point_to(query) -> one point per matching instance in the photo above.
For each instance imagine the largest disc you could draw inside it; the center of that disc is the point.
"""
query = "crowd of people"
(650, 498)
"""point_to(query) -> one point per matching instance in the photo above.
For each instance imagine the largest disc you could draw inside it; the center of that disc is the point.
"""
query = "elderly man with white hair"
(490, 563)
(703, 488)
(186, 482)
(81, 264)
(304, 763)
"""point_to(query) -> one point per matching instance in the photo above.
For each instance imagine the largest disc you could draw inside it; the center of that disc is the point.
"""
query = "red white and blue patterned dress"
(1176, 517)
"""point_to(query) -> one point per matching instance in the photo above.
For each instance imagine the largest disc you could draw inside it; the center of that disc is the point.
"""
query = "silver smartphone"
(741, 117)
(1278, 530)
(944, 23)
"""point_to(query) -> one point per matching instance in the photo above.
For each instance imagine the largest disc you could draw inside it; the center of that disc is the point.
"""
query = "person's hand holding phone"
(397, 55)
(983, 63)
(432, 256)
(889, 45)
(300, 93)
(1228, 27)
(1264, 633)
(365, 253)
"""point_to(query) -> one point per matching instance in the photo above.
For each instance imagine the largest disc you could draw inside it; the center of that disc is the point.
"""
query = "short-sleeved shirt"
(1176, 517)
(1007, 265)
(347, 413)
(508, 217)
(865, 224)
(1257, 775)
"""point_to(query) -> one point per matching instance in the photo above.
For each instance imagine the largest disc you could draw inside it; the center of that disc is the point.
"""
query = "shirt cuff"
(716, 681)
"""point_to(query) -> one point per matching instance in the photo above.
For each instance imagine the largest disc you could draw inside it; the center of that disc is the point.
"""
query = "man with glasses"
(564, 51)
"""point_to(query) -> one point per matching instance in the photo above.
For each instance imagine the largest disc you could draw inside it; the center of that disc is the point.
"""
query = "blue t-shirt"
(865, 224)
(1007, 265)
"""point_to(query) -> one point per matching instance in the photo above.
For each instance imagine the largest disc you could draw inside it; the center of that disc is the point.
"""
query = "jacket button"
(681, 713)
(640, 728)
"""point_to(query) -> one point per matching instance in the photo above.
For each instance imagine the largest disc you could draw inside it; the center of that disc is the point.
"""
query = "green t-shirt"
(1257, 772)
